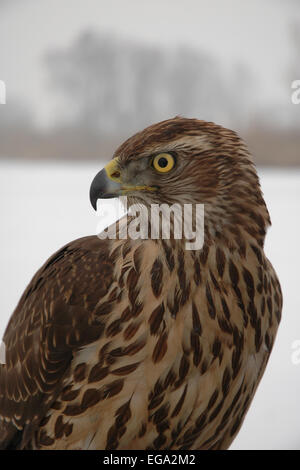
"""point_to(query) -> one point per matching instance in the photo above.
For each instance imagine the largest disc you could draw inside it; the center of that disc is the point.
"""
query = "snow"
(44, 206)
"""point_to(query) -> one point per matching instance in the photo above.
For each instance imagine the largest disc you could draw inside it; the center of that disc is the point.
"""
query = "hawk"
(140, 343)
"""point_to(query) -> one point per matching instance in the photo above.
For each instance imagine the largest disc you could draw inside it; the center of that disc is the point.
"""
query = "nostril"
(116, 174)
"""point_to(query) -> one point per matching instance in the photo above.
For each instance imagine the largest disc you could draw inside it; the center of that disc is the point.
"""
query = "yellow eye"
(163, 162)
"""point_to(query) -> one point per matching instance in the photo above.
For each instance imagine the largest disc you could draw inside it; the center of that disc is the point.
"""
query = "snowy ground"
(45, 206)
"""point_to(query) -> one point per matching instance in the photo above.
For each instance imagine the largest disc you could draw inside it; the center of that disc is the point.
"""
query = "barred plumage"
(141, 344)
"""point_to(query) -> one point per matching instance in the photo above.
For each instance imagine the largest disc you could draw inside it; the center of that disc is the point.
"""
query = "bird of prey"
(141, 343)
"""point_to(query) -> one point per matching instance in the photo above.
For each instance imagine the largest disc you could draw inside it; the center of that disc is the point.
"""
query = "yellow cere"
(112, 170)
(163, 162)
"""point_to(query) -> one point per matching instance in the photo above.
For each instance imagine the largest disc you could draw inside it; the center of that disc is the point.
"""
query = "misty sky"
(253, 32)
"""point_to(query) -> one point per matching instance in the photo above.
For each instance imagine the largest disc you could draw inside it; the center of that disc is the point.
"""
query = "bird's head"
(186, 161)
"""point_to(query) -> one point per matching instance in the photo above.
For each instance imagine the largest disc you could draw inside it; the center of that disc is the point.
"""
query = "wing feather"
(55, 316)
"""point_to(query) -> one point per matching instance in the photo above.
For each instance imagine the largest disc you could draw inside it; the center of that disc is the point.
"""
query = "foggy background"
(82, 75)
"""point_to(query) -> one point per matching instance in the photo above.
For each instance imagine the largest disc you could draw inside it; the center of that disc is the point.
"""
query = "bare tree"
(115, 87)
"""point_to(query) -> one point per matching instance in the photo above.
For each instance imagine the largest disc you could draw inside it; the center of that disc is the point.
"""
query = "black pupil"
(163, 162)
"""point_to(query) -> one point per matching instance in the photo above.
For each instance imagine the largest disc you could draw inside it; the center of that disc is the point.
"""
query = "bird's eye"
(163, 162)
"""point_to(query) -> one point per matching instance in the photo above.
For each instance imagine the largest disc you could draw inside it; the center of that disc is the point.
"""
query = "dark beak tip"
(93, 199)
(94, 204)
(96, 189)
(102, 188)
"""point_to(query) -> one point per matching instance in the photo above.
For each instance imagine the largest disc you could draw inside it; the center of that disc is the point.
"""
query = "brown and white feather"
(141, 344)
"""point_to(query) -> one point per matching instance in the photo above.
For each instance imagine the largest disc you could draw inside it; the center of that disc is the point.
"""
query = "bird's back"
(161, 349)
(143, 344)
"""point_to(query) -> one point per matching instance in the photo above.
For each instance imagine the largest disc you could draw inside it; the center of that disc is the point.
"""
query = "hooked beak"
(106, 184)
